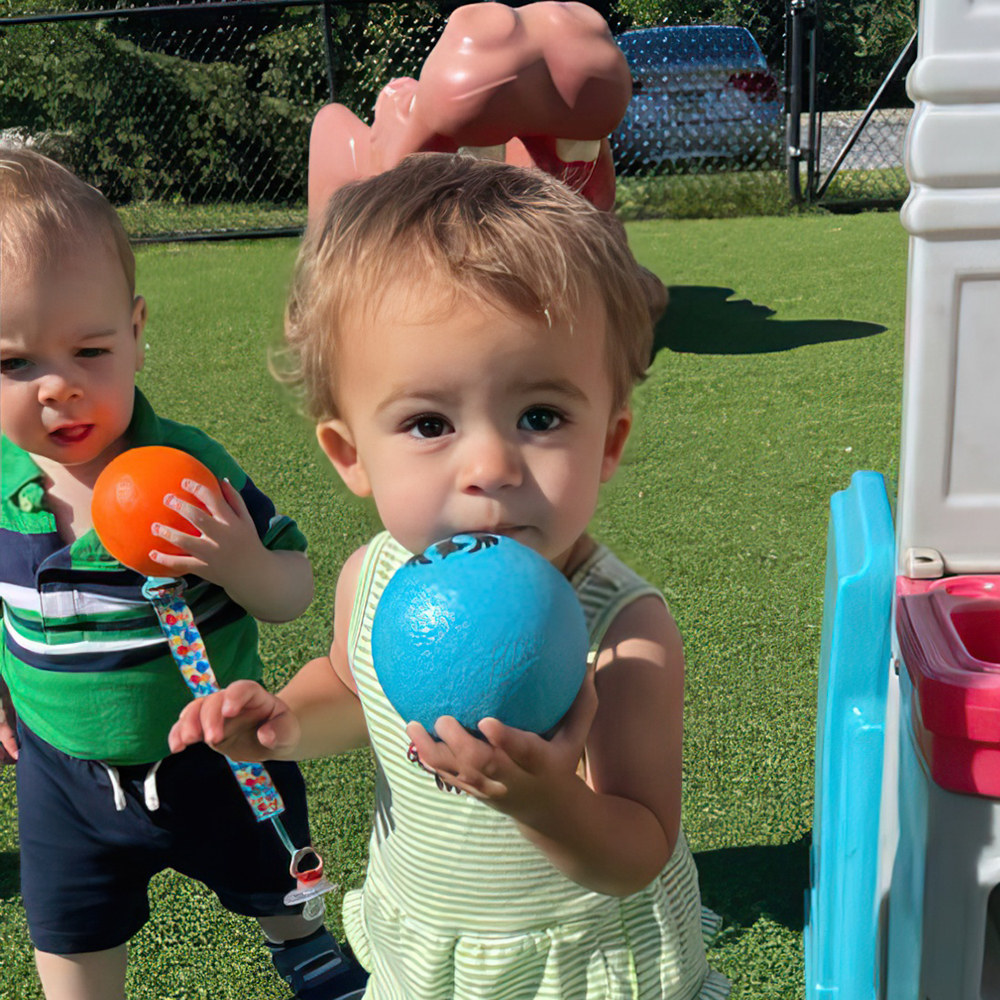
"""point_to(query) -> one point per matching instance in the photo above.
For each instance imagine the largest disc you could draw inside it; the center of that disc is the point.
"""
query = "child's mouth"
(509, 530)
(71, 435)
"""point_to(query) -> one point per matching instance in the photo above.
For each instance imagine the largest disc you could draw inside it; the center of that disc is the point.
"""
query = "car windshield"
(692, 45)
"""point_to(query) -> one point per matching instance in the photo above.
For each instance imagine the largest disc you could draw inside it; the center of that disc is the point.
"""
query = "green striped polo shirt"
(87, 665)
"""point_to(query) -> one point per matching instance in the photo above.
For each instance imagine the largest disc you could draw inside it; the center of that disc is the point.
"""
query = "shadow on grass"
(743, 884)
(705, 320)
(10, 874)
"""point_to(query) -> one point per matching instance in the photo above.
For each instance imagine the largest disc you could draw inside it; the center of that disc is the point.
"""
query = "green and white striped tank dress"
(458, 904)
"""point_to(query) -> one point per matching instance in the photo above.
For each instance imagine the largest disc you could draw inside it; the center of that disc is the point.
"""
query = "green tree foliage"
(860, 42)
(210, 103)
(140, 123)
(374, 43)
(765, 20)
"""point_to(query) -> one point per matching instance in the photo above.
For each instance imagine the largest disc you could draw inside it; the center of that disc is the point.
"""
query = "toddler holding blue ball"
(466, 335)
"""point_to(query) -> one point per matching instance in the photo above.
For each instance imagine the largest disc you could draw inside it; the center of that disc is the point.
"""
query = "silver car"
(701, 92)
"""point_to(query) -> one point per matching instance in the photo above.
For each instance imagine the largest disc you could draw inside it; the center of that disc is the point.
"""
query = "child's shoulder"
(378, 558)
(618, 602)
(350, 572)
(605, 577)
(204, 447)
(364, 575)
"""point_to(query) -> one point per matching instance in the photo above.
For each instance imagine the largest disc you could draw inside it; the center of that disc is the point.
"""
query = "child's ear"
(614, 442)
(139, 313)
(337, 441)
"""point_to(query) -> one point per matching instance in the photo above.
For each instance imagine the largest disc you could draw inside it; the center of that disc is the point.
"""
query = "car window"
(691, 45)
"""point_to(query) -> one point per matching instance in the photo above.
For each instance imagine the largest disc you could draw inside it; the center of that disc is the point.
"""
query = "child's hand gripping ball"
(480, 626)
(128, 500)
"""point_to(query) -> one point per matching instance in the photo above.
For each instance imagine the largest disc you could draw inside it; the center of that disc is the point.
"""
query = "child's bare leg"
(91, 975)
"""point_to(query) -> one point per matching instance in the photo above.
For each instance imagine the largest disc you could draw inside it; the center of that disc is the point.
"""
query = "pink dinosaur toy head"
(541, 85)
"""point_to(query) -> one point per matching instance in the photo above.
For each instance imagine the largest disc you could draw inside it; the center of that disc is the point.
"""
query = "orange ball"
(128, 500)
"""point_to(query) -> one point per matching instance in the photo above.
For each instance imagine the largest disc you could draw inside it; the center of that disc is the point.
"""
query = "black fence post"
(800, 26)
(793, 97)
(813, 138)
(331, 51)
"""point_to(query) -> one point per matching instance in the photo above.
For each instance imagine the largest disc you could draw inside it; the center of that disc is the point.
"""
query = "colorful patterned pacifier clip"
(188, 650)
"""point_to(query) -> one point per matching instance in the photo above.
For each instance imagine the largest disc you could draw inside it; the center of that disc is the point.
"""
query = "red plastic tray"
(949, 638)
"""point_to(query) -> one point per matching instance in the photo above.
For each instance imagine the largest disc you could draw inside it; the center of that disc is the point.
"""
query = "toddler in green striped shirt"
(88, 687)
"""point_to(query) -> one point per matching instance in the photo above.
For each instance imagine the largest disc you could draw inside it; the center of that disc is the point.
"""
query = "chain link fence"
(194, 118)
(848, 107)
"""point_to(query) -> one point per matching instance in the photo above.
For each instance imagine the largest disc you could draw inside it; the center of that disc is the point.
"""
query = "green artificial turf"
(777, 375)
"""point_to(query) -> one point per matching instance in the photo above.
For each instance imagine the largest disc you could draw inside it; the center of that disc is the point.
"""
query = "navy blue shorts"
(86, 866)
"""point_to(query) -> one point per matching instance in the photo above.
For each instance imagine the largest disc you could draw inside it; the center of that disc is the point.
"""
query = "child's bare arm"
(630, 820)
(316, 714)
(323, 694)
(613, 831)
(273, 586)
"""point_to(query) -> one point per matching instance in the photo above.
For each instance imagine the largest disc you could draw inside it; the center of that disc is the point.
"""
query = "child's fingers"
(177, 565)
(268, 735)
(246, 697)
(191, 513)
(213, 724)
(187, 729)
(279, 732)
(218, 503)
(209, 497)
(471, 755)
(176, 741)
(434, 755)
(460, 759)
(8, 734)
(182, 539)
(234, 498)
(276, 727)
(524, 749)
(8, 747)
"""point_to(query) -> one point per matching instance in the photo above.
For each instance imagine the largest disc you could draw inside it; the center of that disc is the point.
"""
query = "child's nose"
(58, 387)
(490, 462)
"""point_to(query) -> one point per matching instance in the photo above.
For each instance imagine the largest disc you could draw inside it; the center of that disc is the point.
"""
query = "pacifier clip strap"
(188, 650)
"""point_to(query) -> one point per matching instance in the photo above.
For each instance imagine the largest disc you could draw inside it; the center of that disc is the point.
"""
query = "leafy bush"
(375, 43)
(143, 125)
(860, 40)
(202, 106)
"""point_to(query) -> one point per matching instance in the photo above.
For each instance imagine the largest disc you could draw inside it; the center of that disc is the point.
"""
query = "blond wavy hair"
(48, 214)
(512, 237)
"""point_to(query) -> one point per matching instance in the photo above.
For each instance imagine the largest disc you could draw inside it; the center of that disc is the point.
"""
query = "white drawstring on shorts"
(149, 790)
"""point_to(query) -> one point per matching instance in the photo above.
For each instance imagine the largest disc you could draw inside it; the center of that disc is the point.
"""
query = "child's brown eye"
(539, 418)
(428, 427)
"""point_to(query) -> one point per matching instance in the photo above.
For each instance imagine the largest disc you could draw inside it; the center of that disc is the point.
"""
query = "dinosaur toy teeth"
(578, 150)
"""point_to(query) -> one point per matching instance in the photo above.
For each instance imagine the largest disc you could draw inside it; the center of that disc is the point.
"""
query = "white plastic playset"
(905, 883)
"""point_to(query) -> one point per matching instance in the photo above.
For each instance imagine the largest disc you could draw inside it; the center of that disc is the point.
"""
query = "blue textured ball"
(477, 626)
